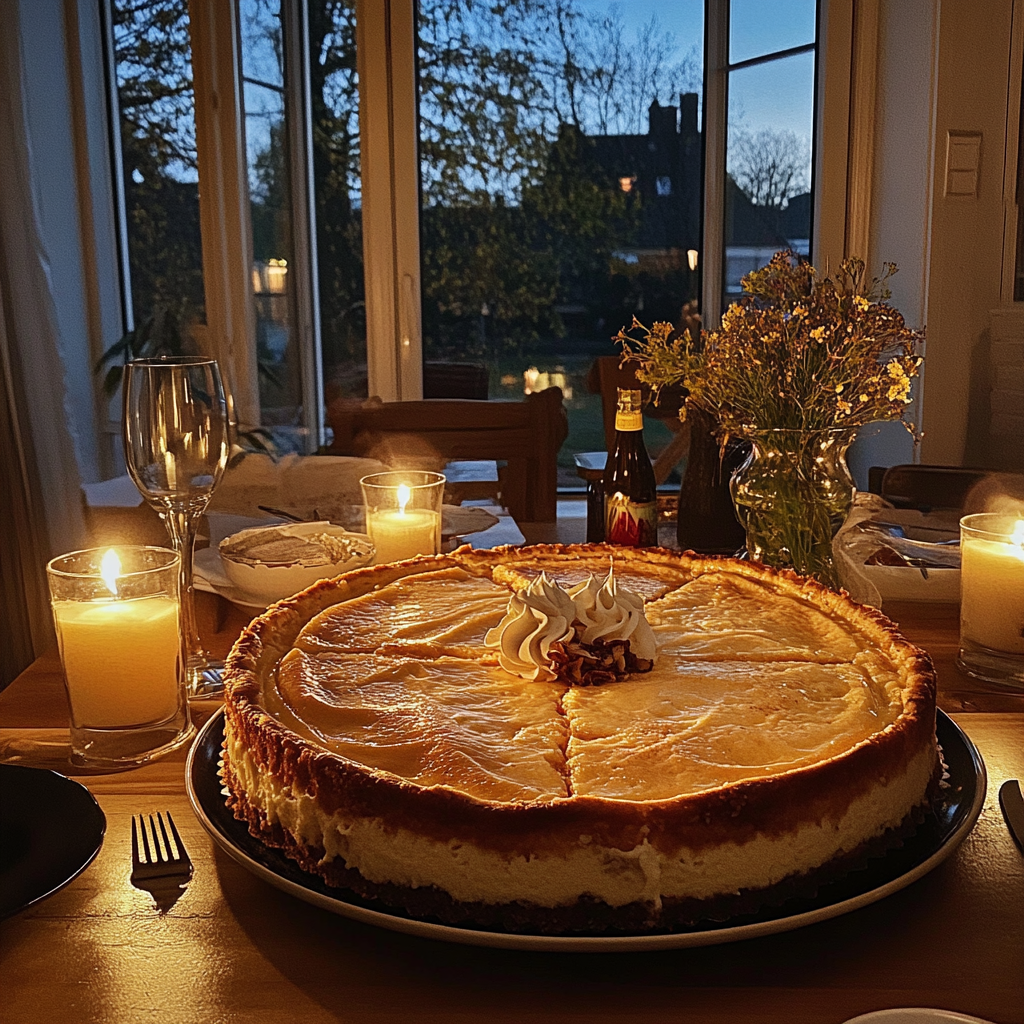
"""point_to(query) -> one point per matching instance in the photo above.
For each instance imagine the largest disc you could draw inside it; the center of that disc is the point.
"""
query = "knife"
(1012, 803)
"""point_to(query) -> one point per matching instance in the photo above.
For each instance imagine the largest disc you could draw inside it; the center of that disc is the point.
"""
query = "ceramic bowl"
(273, 580)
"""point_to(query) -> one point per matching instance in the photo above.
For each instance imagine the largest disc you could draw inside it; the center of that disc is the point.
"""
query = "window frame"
(386, 61)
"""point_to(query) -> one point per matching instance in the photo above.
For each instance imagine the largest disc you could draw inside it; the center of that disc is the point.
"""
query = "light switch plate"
(963, 163)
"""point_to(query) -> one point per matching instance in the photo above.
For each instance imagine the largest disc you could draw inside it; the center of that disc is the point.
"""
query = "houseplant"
(796, 367)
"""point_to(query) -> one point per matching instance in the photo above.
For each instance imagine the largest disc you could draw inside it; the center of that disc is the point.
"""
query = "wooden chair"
(522, 437)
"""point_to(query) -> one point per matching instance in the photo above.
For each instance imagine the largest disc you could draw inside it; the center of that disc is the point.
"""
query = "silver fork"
(152, 853)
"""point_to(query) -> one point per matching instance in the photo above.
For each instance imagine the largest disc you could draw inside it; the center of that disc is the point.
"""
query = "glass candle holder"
(992, 598)
(403, 513)
(118, 620)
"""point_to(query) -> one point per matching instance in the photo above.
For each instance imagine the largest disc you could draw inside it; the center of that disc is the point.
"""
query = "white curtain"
(41, 513)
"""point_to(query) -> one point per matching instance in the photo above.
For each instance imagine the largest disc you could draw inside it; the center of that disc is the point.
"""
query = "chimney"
(688, 113)
(661, 120)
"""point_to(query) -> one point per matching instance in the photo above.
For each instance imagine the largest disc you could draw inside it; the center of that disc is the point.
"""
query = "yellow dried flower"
(794, 355)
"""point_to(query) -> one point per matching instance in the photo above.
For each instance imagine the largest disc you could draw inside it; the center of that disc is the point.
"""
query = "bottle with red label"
(630, 490)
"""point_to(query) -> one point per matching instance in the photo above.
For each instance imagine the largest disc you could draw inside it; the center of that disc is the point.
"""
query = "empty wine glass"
(176, 448)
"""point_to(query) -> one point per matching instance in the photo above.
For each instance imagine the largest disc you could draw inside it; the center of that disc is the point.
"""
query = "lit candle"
(120, 655)
(992, 584)
(399, 533)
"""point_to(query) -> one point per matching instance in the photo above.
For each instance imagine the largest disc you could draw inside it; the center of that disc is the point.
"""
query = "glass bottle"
(631, 499)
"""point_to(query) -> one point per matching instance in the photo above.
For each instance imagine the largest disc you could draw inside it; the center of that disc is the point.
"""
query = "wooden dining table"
(233, 948)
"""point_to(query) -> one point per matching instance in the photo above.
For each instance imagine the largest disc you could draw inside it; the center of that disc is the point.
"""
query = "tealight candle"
(403, 513)
(992, 597)
(118, 629)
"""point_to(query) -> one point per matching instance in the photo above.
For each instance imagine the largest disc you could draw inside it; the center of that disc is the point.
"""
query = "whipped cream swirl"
(536, 618)
(608, 612)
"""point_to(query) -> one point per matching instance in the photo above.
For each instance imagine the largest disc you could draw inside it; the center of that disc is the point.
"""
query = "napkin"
(298, 484)
(929, 540)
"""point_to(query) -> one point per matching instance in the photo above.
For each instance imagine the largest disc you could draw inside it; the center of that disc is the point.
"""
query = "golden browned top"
(758, 674)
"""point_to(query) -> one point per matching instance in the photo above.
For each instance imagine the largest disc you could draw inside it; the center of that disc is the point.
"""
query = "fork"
(157, 858)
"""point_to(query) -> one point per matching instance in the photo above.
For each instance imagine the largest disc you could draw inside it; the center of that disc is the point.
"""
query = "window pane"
(757, 28)
(768, 183)
(338, 196)
(561, 169)
(266, 136)
(158, 147)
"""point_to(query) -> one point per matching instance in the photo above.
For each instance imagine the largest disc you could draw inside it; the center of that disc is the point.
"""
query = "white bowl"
(273, 580)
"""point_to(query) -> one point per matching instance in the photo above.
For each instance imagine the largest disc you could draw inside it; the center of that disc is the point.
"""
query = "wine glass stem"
(181, 525)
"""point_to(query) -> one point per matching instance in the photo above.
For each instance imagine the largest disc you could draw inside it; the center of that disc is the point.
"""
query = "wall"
(966, 232)
(943, 65)
(900, 190)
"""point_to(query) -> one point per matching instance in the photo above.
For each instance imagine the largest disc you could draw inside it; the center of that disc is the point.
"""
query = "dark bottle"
(630, 490)
(707, 520)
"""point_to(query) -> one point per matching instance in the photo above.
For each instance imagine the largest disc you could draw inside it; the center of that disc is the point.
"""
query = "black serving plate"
(953, 815)
(52, 828)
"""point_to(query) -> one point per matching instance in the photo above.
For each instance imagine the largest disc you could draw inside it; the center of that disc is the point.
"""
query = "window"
(770, 131)
(531, 175)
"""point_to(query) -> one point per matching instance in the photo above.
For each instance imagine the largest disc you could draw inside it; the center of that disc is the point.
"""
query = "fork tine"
(145, 839)
(135, 845)
(182, 854)
(158, 855)
(171, 855)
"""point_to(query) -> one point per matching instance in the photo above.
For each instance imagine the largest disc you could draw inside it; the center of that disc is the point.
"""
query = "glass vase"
(792, 495)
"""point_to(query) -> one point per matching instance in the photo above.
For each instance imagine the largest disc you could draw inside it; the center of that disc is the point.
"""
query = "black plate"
(52, 830)
(954, 814)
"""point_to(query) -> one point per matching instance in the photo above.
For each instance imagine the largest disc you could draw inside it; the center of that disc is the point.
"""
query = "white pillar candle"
(992, 591)
(120, 659)
(404, 533)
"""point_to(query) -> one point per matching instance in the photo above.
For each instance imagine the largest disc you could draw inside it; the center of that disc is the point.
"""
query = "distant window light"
(138, 177)
(627, 182)
(663, 185)
(629, 258)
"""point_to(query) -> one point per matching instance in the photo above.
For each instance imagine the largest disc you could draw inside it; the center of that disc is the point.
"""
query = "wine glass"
(176, 447)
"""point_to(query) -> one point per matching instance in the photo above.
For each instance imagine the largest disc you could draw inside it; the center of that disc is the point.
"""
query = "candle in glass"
(118, 629)
(992, 598)
(403, 513)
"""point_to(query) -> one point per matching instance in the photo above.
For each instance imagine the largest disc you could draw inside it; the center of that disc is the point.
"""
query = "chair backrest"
(455, 380)
(523, 437)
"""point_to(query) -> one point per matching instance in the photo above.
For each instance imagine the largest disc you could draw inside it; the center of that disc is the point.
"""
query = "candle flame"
(404, 494)
(110, 569)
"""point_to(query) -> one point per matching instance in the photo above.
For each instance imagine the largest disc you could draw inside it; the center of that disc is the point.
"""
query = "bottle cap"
(629, 412)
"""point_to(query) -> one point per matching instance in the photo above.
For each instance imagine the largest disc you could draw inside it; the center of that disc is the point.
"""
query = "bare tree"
(604, 83)
(769, 165)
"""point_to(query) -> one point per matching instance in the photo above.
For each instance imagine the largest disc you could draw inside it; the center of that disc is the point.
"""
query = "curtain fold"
(41, 512)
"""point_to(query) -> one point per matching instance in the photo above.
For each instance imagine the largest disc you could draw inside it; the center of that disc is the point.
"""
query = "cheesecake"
(416, 733)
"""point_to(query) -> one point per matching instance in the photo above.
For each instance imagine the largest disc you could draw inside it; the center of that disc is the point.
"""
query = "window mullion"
(390, 181)
(303, 279)
(716, 109)
(224, 201)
